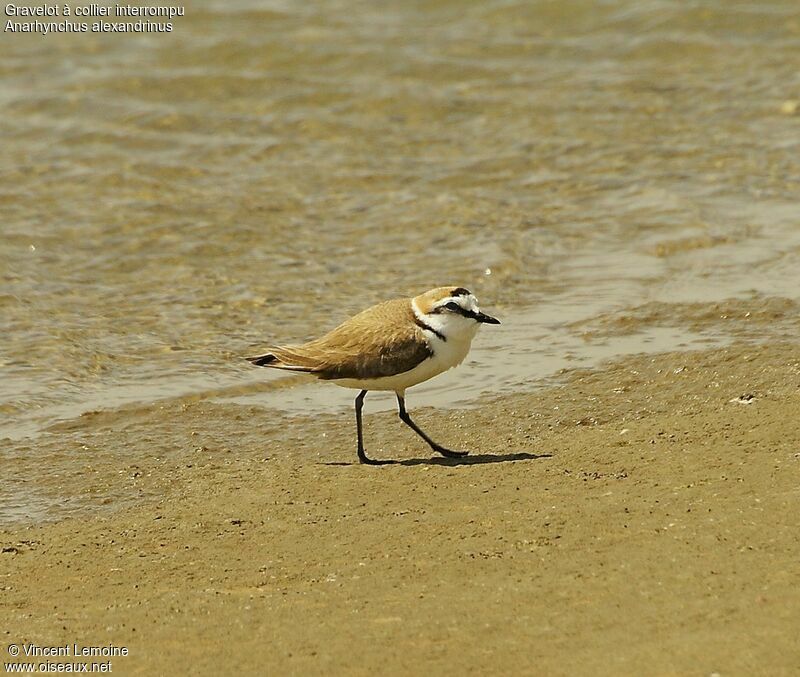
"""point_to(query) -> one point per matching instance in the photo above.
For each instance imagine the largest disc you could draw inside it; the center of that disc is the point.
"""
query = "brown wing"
(381, 341)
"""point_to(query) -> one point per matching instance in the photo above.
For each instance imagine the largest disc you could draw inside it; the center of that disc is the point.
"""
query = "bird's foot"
(449, 453)
(373, 461)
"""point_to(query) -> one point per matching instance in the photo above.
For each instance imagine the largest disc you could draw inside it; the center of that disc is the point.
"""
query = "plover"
(391, 346)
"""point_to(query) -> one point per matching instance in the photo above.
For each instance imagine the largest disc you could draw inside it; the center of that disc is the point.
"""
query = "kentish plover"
(391, 346)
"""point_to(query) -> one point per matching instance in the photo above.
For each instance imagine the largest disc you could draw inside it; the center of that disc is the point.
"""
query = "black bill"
(488, 319)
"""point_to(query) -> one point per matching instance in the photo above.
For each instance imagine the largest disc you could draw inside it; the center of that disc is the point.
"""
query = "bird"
(391, 346)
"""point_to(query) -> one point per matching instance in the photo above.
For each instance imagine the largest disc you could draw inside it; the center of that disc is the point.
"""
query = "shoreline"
(614, 520)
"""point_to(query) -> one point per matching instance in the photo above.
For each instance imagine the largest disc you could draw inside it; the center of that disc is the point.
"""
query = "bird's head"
(451, 311)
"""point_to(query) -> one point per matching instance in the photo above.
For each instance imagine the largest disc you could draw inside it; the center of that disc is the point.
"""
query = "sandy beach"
(616, 181)
(635, 519)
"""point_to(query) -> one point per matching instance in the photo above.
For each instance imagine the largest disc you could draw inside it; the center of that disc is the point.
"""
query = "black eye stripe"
(454, 307)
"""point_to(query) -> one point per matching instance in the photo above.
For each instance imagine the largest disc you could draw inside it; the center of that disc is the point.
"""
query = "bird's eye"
(453, 306)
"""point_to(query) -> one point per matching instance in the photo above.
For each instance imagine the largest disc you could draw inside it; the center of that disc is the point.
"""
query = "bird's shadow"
(477, 459)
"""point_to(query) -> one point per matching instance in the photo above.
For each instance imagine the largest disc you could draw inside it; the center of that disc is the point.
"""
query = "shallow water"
(173, 202)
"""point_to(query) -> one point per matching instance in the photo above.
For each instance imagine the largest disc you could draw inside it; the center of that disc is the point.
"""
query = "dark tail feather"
(263, 360)
(284, 358)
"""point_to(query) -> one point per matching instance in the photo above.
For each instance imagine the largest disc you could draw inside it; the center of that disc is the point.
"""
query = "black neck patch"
(423, 325)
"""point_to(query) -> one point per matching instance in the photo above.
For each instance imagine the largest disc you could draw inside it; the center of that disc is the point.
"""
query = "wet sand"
(609, 179)
(640, 518)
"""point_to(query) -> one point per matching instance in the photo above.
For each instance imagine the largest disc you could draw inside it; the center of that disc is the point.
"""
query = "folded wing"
(381, 341)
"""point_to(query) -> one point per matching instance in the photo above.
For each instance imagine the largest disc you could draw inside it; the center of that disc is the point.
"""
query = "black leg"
(361, 455)
(405, 418)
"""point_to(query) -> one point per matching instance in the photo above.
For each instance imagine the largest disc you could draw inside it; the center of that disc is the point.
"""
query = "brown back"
(381, 341)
